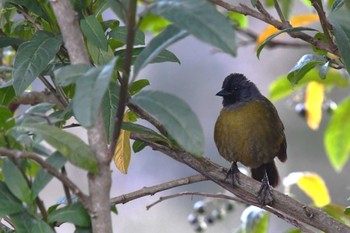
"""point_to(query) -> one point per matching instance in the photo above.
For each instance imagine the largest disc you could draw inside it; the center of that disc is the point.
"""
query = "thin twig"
(50, 169)
(274, 43)
(27, 16)
(145, 115)
(326, 26)
(65, 188)
(123, 95)
(146, 191)
(211, 195)
(231, 198)
(267, 18)
(279, 11)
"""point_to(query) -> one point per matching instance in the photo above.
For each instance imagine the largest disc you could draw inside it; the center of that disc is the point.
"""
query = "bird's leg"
(265, 196)
(233, 172)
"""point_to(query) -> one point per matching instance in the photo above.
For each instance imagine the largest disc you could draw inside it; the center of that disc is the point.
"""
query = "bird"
(249, 130)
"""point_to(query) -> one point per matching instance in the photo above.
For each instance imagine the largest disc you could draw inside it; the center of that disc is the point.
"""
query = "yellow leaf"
(314, 98)
(122, 153)
(314, 186)
(295, 21)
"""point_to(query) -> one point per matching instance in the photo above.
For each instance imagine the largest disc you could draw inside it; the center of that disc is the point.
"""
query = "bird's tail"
(271, 170)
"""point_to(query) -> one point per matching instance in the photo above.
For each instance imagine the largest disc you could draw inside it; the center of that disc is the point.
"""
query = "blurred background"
(196, 81)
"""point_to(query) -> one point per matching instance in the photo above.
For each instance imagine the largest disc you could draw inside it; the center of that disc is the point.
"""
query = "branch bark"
(100, 183)
(290, 210)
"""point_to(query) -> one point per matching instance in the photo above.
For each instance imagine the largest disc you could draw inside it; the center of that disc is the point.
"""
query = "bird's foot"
(265, 196)
(233, 173)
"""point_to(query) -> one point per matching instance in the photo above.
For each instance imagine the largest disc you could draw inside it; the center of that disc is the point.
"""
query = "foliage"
(32, 49)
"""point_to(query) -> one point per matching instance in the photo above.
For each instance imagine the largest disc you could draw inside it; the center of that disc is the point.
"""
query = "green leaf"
(167, 37)
(138, 85)
(41, 227)
(177, 118)
(238, 19)
(337, 136)
(137, 146)
(304, 65)
(98, 55)
(323, 70)
(89, 92)
(32, 58)
(74, 213)
(36, 114)
(294, 231)
(120, 34)
(9, 204)
(16, 182)
(9, 41)
(23, 221)
(94, 33)
(5, 115)
(163, 56)
(43, 177)
(109, 108)
(341, 28)
(7, 94)
(255, 220)
(149, 133)
(281, 87)
(69, 145)
(70, 74)
(295, 29)
(201, 19)
(347, 210)
(153, 23)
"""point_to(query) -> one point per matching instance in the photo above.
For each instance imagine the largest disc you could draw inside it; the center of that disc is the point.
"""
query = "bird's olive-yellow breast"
(250, 133)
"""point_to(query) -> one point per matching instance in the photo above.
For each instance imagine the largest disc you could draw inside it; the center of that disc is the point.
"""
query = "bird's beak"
(223, 92)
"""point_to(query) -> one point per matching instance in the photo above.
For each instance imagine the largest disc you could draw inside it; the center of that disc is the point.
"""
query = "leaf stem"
(279, 11)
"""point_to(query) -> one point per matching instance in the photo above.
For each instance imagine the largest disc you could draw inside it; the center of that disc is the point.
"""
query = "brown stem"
(146, 191)
(267, 18)
(123, 95)
(290, 210)
(100, 183)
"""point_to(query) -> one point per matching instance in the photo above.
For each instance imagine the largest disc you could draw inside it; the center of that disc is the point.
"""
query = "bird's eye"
(235, 88)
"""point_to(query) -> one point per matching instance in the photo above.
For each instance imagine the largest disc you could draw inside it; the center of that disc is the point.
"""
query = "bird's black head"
(237, 88)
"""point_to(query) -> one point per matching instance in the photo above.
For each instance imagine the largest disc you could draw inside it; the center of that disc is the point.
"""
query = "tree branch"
(290, 210)
(123, 95)
(64, 179)
(146, 191)
(267, 18)
(33, 98)
(216, 196)
(100, 183)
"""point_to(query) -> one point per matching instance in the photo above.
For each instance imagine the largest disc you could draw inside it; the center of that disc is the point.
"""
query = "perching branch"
(36, 158)
(146, 191)
(292, 211)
